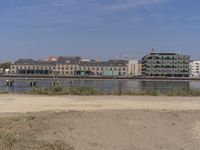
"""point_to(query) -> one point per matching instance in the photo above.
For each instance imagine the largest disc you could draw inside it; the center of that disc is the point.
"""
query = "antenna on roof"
(153, 50)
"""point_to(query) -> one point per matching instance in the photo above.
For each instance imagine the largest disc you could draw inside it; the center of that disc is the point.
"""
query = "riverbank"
(100, 77)
(99, 122)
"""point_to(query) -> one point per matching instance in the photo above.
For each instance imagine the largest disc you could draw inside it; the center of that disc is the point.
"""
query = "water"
(22, 85)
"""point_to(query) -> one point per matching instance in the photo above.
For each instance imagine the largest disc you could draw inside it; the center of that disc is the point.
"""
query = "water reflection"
(165, 85)
(103, 85)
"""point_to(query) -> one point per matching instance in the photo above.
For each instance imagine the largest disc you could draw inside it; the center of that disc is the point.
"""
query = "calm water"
(22, 85)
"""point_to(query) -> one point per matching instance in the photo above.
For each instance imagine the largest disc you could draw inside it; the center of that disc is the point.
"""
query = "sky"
(100, 29)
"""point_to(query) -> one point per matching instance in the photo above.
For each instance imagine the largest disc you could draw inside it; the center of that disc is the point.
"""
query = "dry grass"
(83, 91)
(101, 130)
(21, 133)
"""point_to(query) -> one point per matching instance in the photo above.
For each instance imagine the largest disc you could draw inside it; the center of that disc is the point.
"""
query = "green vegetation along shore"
(83, 91)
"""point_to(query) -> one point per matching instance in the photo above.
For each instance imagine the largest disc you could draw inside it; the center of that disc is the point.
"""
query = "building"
(195, 69)
(103, 68)
(165, 65)
(134, 68)
(70, 66)
(67, 66)
(34, 67)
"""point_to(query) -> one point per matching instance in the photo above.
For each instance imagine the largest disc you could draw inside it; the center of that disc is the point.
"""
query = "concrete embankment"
(97, 77)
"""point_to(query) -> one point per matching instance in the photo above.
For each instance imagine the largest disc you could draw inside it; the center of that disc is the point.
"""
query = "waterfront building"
(30, 66)
(134, 68)
(67, 66)
(70, 66)
(195, 69)
(103, 68)
(165, 65)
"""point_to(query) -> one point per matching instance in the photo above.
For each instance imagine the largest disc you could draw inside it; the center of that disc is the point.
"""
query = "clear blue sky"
(98, 28)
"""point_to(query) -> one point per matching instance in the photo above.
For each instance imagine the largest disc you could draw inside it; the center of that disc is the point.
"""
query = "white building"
(195, 69)
(134, 68)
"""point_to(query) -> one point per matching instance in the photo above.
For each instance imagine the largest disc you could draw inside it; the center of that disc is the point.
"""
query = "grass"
(83, 91)
(4, 92)
(20, 133)
(175, 92)
(64, 91)
(7, 140)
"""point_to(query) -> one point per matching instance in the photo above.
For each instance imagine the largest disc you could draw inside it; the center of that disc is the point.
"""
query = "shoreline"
(100, 78)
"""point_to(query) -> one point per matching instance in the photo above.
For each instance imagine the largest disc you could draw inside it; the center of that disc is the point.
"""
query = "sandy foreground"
(99, 123)
(29, 103)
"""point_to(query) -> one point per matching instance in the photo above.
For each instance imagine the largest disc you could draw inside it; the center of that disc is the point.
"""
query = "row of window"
(98, 69)
(97, 73)
(20, 67)
(72, 68)
(167, 71)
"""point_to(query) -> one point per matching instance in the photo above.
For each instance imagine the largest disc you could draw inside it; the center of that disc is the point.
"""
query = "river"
(105, 85)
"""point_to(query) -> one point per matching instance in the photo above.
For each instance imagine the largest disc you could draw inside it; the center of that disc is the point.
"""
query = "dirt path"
(28, 103)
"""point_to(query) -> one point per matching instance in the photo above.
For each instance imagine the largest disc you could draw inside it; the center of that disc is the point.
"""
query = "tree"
(5, 65)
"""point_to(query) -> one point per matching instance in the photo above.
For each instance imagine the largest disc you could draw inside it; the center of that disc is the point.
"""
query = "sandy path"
(27, 103)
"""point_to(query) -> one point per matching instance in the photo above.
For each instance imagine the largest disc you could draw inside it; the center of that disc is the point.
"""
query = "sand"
(29, 103)
(99, 123)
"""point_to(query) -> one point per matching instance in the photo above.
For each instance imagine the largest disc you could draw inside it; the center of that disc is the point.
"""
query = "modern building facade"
(165, 65)
(195, 69)
(70, 66)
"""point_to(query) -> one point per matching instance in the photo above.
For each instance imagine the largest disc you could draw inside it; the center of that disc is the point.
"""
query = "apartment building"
(165, 65)
(195, 69)
(134, 68)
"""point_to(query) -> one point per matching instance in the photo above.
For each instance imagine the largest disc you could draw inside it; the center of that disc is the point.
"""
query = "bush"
(57, 90)
(84, 91)
(64, 91)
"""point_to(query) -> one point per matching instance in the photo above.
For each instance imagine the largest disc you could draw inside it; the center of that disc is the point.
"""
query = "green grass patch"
(64, 91)
(84, 91)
